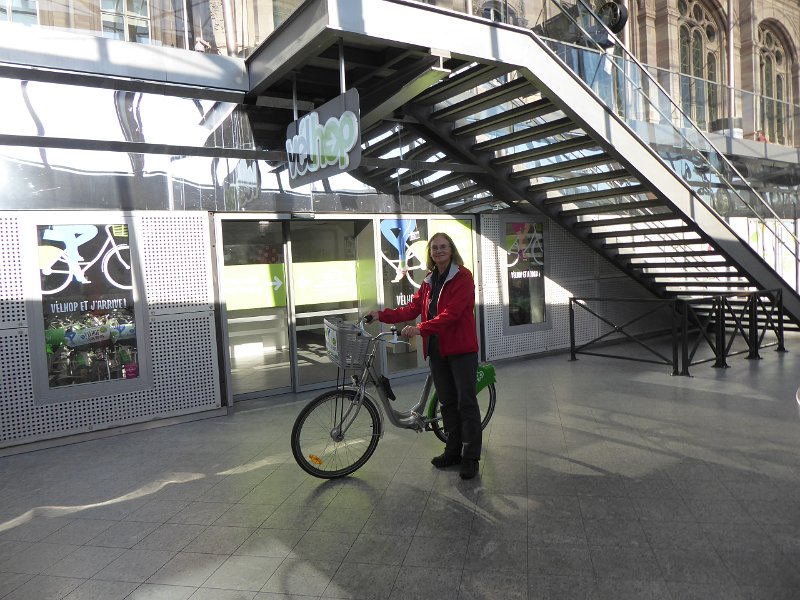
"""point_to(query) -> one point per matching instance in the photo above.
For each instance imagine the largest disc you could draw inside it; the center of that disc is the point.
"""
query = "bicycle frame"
(415, 417)
(419, 416)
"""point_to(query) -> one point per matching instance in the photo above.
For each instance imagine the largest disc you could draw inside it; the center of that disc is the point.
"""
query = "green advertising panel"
(255, 286)
(325, 281)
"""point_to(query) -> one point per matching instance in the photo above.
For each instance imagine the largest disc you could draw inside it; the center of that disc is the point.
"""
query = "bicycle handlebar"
(381, 337)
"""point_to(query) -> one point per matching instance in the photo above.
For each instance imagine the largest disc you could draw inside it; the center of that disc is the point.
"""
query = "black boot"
(469, 468)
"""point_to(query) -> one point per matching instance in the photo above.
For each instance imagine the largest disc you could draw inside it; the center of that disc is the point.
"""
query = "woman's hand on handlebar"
(409, 331)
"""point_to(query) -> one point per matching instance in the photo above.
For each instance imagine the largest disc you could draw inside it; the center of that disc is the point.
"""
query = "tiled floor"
(599, 479)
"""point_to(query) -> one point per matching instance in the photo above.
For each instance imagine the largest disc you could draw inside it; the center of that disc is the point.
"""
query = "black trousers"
(455, 377)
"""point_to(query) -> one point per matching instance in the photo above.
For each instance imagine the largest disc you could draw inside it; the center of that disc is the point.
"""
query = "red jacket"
(454, 322)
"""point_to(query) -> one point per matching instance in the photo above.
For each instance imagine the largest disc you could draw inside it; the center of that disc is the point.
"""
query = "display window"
(86, 327)
(524, 242)
(86, 281)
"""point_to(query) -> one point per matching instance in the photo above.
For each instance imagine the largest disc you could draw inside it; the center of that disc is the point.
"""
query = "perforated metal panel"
(177, 262)
(181, 336)
(12, 298)
(572, 269)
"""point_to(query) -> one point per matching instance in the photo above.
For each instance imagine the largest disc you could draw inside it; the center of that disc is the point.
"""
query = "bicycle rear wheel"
(318, 447)
(487, 398)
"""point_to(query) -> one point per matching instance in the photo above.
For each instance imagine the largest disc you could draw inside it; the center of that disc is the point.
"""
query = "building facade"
(159, 262)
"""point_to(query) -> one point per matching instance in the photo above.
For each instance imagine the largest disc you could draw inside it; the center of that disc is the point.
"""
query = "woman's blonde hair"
(456, 258)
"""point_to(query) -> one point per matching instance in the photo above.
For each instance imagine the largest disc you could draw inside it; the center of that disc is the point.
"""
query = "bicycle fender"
(486, 376)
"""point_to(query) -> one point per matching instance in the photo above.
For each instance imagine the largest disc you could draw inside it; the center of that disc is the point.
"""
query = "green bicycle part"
(486, 376)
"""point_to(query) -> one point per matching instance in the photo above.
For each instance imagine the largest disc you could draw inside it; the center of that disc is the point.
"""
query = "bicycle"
(51, 256)
(337, 432)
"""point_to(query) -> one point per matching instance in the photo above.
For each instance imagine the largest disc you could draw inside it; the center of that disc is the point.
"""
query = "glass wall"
(254, 286)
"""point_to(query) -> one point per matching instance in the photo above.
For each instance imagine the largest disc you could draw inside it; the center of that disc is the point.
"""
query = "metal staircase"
(509, 126)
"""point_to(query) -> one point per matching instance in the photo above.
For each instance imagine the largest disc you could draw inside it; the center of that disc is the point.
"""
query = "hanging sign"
(326, 141)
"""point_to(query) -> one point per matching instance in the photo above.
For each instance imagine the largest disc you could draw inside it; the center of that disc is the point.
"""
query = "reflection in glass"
(324, 276)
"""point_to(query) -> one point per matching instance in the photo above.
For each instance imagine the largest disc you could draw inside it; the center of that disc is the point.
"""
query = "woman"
(446, 303)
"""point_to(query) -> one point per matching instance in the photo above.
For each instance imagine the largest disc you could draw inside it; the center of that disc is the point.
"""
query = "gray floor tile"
(302, 577)
(34, 530)
(124, 535)
(42, 587)
(200, 513)
(102, 590)
(323, 545)
(222, 540)
(217, 594)
(353, 581)
(36, 558)
(625, 589)
(151, 591)
(84, 562)
(79, 531)
(245, 515)
(445, 553)
(428, 584)
(372, 548)
(274, 543)
(615, 532)
(134, 565)
(187, 569)
(11, 581)
(492, 554)
(561, 587)
(570, 561)
(157, 511)
(613, 562)
(691, 565)
(171, 536)
(248, 573)
(490, 585)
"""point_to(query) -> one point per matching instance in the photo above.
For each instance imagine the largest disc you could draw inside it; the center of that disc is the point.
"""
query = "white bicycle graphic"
(533, 249)
(55, 262)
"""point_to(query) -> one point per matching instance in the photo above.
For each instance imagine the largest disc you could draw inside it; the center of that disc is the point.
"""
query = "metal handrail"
(697, 153)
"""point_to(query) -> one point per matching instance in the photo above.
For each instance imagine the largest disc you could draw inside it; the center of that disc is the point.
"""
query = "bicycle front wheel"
(318, 445)
(487, 398)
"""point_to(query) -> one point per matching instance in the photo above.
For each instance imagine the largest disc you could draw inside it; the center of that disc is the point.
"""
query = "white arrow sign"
(276, 283)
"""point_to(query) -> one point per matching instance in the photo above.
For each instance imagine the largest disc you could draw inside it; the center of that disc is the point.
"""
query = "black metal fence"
(703, 322)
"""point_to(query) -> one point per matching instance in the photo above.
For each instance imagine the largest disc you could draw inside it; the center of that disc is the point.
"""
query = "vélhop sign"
(326, 141)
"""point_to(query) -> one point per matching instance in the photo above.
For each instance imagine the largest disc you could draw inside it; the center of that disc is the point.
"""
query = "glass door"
(333, 274)
(253, 283)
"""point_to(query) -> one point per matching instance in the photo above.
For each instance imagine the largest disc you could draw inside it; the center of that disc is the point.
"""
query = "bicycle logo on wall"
(78, 252)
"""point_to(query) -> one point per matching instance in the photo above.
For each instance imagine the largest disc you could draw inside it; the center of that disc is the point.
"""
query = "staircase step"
(491, 98)
(597, 194)
(614, 222)
(440, 183)
(565, 166)
(639, 232)
(463, 81)
(581, 142)
(527, 135)
(469, 190)
(610, 207)
(579, 180)
(675, 242)
(507, 118)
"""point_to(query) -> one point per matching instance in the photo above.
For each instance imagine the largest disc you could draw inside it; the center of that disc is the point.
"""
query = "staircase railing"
(623, 84)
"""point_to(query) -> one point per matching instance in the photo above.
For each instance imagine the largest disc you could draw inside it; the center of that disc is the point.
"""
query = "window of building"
(127, 20)
(774, 77)
(701, 63)
(19, 11)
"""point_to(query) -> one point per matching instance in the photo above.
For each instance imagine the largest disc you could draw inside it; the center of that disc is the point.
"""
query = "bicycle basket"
(347, 347)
